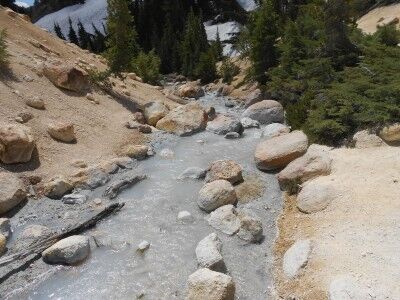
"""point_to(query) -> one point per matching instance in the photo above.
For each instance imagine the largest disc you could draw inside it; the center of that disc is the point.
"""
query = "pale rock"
(208, 253)
(35, 102)
(12, 191)
(315, 196)
(249, 123)
(265, 112)
(193, 173)
(274, 130)
(225, 219)
(74, 199)
(345, 287)
(167, 153)
(252, 98)
(216, 194)
(135, 151)
(68, 251)
(57, 187)
(185, 217)
(391, 133)
(222, 124)
(155, 111)
(226, 170)
(296, 258)
(365, 139)
(251, 229)
(190, 90)
(16, 143)
(62, 131)
(143, 246)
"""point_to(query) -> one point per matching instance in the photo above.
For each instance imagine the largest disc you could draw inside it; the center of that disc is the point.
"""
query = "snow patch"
(248, 5)
(226, 30)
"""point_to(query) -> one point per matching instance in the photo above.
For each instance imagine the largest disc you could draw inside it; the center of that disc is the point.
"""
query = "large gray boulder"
(184, 120)
(265, 112)
(216, 194)
(206, 284)
(155, 111)
(223, 124)
(225, 219)
(208, 253)
(278, 152)
(315, 196)
(68, 251)
(12, 191)
(225, 170)
(274, 130)
(296, 258)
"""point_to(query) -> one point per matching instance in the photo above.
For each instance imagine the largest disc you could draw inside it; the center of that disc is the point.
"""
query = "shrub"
(228, 70)
(388, 35)
(3, 50)
(205, 69)
(147, 66)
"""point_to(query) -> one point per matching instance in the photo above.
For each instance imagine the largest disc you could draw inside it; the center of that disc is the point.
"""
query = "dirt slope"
(379, 16)
(99, 128)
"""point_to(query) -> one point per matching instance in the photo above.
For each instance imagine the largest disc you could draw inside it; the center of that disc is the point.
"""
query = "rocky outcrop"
(391, 133)
(315, 196)
(210, 285)
(184, 120)
(68, 251)
(265, 112)
(296, 258)
(277, 152)
(274, 130)
(223, 124)
(208, 253)
(67, 76)
(62, 131)
(316, 162)
(216, 194)
(228, 170)
(12, 191)
(16, 143)
(155, 111)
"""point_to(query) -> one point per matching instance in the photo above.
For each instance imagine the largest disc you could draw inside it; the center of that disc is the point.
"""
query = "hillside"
(379, 16)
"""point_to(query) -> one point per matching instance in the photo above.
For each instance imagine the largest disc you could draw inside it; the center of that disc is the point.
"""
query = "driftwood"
(21, 260)
(116, 187)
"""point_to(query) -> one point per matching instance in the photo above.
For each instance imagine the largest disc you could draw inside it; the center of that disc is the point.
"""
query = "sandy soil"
(357, 235)
(99, 128)
(379, 16)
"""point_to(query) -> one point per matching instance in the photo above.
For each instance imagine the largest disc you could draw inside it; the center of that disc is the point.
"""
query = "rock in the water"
(265, 112)
(67, 76)
(193, 173)
(62, 131)
(346, 287)
(225, 169)
(138, 152)
(16, 143)
(223, 124)
(35, 102)
(249, 123)
(365, 139)
(68, 251)
(225, 219)
(5, 227)
(316, 162)
(208, 253)
(167, 153)
(185, 217)
(391, 133)
(315, 196)
(74, 199)
(251, 229)
(279, 151)
(232, 135)
(184, 120)
(190, 90)
(296, 257)
(3, 244)
(207, 284)
(274, 130)
(57, 187)
(216, 194)
(155, 111)
(127, 181)
(143, 246)
(12, 191)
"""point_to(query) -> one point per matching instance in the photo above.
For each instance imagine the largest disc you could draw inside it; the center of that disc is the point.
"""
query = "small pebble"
(185, 217)
(143, 246)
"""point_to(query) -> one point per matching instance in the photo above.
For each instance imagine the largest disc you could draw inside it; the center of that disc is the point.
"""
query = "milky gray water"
(117, 271)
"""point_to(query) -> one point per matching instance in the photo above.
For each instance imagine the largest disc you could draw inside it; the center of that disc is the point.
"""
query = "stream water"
(118, 271)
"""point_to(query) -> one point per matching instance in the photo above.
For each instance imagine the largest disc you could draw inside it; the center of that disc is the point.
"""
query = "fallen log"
(21, 260)
(116, 187)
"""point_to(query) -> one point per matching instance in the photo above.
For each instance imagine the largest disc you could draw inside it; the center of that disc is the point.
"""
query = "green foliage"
(3, 50)
(98, 77)
(147, 66)
(205, 69)
(217, 47)
(228, 70)
(121, 42)
(72, 37)
(388, 35)
(85, 40)
(58, 31)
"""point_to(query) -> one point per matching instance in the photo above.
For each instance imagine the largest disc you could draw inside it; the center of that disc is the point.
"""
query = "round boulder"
(225, 169)
(62, 131)
(208, 253)
(16, 143)
(223, 124)
(68, 251)
(155, 111)
(265, 112)
(315, 196)
(12, 191)
(216, 194)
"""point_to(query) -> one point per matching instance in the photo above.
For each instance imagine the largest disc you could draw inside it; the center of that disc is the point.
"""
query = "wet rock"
(190, 90)
(12, 191)
(3, 244)
(184, 120)
(274, 130)
(210, 285)
(345, 287)
(251, 229)
(253, 98)
(208, 253)
(265, 112)
(35, 102)
(228, 170)
(67, 76)
(143, 246)
(193, 173)
(223, 124)
(232, 135)
(296, 258)
(185, 217)
(391, 133)
(249, 123)
(5, 227)
(225, 219)
(216, 194)
(229, 104)
(57, 187)
(16, 143)
(316, 162)
(74, 199)
(167, 153)
(365, 139)
(315, 196)
(116, 187)
(211, 113)
(277, 152)
(68, 251)
(62, 131)
(138, 152)
(155, 111)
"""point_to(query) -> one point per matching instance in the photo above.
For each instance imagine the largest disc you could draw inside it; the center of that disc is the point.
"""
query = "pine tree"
(84, 36)
(73, 38)
(58, 31)
(98, 40)
(206, 69)
(217, 47)
(121, 42)
(264, 31)
(169, 50)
